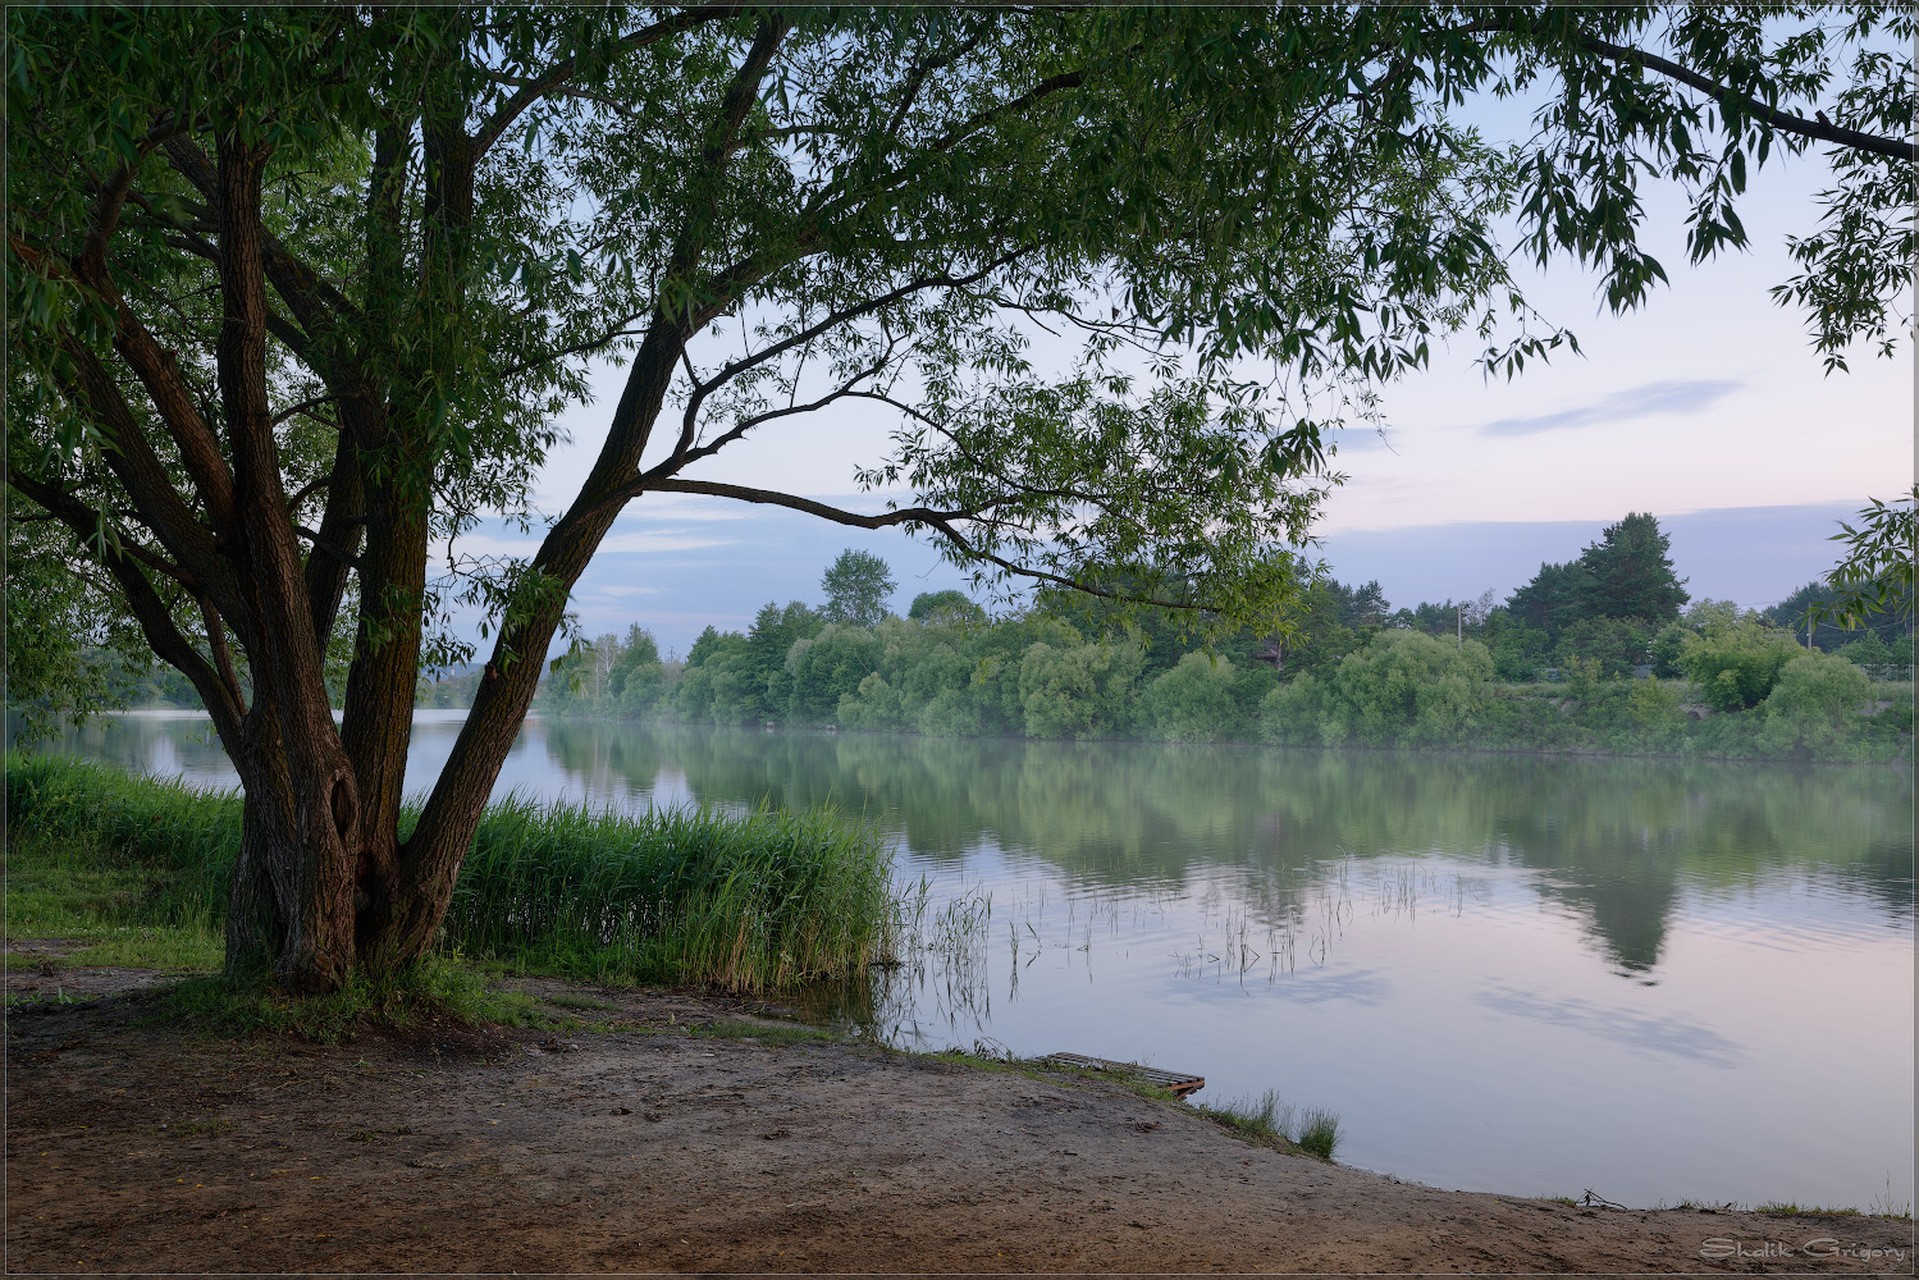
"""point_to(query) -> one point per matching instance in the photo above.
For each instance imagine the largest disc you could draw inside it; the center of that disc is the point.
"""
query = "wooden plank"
(1177, 1083)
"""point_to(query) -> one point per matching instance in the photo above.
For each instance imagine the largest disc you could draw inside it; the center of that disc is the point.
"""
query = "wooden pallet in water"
(1178, 1083)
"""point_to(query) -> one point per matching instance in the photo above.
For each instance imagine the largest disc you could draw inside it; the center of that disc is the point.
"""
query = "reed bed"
(761, 903)
(769, 901)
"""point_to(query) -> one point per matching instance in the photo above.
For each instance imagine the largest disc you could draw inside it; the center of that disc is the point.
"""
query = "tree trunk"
(299, 857)
(291, 904)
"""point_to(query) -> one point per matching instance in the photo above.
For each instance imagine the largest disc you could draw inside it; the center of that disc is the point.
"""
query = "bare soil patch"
(638, 1144)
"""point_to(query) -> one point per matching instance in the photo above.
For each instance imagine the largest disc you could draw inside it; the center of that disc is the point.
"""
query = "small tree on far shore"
(857, 586)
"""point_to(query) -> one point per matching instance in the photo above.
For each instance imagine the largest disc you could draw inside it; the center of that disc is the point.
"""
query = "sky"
(1706, 407)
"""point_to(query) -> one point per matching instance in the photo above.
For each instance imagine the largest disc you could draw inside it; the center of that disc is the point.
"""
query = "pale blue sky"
(1706, 407)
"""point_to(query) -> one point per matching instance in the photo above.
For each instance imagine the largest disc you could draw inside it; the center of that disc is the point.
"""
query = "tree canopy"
(296, 294)
(1627, 574)
(857, 585)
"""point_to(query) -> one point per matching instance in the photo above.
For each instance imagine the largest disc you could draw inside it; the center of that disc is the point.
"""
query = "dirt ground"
(637, 1145)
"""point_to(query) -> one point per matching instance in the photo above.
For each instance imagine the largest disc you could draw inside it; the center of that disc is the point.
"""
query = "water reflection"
(1613, 841)
(1622, 1027)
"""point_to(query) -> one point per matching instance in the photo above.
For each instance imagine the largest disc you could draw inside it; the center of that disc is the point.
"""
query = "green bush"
(1734, 667)
(1407, 688)
(823, 669)
(1291, 712)
(1081, 691)
(1617, 645)
(1813, 704)
(1627, 715)
(1194, 702)
(1867, 651)
(1667, 648)
(875, 705)
(952, 713)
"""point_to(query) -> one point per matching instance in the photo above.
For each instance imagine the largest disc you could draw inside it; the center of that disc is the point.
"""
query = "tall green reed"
(769, 901)
(766, 902)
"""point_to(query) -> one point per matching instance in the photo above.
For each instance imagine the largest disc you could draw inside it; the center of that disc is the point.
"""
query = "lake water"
(1657, 980)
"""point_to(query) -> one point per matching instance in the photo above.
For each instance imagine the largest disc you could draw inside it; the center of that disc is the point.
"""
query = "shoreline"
(668, 1130)
(450, 715)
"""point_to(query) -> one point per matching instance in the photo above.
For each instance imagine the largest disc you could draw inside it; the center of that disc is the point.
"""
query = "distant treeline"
(1599, 655)
(1604, 653)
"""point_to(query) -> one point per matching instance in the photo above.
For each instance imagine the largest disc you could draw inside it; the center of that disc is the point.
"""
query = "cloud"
(1672, 1035)
(650, 541)
(688, 507)
(482, 542)
(1647, 400)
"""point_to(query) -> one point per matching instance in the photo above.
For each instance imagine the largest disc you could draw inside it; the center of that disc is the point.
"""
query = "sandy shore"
(641, 1144)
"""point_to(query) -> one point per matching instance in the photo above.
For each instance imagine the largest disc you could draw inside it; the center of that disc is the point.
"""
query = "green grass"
(1271, 1122)
(137, 870)
(119, 867)
(1881, 1207)
(88, 846)
(436, 989)
(771, 1033)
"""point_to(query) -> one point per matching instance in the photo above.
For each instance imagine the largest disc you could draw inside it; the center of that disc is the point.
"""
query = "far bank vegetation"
(1605, 653)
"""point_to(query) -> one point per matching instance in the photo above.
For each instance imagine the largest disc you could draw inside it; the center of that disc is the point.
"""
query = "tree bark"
(301, 830)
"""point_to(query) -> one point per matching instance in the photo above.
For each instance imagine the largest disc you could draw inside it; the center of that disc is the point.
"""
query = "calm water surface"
(1660, 981)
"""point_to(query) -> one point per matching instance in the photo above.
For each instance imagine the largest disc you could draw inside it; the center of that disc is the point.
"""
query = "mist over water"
(1658, 980)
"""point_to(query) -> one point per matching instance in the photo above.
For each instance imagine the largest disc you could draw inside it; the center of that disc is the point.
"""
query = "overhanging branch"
(1818, 129)
(942, 522)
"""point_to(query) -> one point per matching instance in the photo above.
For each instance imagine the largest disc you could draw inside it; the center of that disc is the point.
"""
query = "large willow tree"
(295, 295)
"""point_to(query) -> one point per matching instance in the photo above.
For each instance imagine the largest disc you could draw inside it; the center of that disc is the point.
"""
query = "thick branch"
(158, 371)
(652, 370)
(222, 657)
(132, 460)
(303, 288)
(287, 656)
(942, 522)
(793, 502)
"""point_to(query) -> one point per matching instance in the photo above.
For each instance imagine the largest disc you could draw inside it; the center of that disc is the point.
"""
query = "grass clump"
(435, 989)
(777, 1034)
(1271, 1122)
(767, 902)
(1787, 1209)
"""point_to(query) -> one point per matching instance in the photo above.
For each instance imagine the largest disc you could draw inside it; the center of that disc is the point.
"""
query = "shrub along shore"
(1734, 689)
(763, 902)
